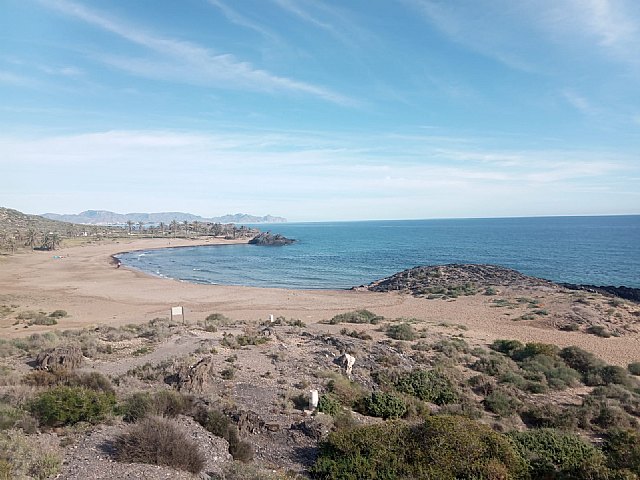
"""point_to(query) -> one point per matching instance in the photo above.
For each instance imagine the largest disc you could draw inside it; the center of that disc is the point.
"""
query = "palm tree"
(129, 224)
(196, 226)
(32, 238)
(162, 225)
(186, 227)
(51, 241)
(174, 227)
(140, 227)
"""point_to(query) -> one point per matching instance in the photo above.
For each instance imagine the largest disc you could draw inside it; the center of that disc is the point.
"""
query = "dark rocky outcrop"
(627, 293)
(269, 239)
(68, 357)
(453, 280)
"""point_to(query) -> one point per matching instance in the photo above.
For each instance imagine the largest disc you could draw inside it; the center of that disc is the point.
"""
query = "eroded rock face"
(346, 361)
(68, 357)
(198, 377)
(269, 239)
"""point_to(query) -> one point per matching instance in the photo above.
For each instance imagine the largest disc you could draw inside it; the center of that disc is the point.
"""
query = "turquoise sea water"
(589, 250)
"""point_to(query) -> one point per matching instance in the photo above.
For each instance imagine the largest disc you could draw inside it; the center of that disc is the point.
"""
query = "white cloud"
(179, 60)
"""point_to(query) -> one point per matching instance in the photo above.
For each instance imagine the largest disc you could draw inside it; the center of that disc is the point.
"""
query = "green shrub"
(549, 416)
(358, 316)
(346, 391)
(634, 368)
(535, 349)
(221, 426)
(428, 385)
(384, 405)
(27, 457)
(494, 365)
(501, 403)
(553, 454)
(442, 447)
(58, 314)
(68, 405)
(622, 448)
(598, 330)
(587, 364)
(159, 441)
(402, 331)
(166, 403)
(329, 404)
(508, 347)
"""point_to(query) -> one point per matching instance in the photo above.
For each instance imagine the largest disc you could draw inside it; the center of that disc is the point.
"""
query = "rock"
(65, 356)
(269, 239)
(195, 379)
(627, 293)
(346, 361)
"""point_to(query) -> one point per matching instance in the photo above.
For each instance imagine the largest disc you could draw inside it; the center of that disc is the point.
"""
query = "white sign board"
(176, 311)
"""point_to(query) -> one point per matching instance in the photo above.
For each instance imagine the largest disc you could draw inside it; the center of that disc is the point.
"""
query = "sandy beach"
(84, 281)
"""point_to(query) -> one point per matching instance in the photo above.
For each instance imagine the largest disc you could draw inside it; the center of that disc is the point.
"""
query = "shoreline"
(81, 280)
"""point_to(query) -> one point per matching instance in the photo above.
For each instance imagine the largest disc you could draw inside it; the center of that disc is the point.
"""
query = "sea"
(597, 250)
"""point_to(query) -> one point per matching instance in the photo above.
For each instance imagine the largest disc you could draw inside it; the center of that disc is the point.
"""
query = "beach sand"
(84, 281)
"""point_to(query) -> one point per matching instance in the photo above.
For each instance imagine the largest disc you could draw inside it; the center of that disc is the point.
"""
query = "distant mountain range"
(104, 217)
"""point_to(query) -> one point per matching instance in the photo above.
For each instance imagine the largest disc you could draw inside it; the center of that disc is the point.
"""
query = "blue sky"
(321, 110)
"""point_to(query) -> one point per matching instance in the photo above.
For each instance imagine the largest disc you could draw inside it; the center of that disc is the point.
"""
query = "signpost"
(177, 311)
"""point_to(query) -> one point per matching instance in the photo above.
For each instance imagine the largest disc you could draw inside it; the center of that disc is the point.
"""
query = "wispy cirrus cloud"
(180, 60)
(242, 20)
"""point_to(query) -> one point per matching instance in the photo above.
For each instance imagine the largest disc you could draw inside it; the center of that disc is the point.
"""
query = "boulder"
(68, 357)
(197, 378)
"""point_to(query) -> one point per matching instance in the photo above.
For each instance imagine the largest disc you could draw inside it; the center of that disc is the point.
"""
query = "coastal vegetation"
(515, 410)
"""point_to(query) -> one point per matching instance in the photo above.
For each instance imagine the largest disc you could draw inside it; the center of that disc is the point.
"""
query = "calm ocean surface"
(590, 250)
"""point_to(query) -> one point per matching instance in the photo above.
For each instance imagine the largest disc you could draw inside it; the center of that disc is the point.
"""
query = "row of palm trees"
(187, 229)
(33, 238)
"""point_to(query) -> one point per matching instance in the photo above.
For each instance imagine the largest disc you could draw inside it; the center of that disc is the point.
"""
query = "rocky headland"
(454, 280)
(270, 239)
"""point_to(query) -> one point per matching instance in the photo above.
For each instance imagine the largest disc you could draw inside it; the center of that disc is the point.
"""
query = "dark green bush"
(501, 403)
(634, 368)
(587, 364)
(329, 404)
(68, 405)
(622, 448)
(534, 349)
(508, 347)
(428, 385)
(402, 331)
(553, 454)
(358, 316)
(159, 441)
(166, 403)
(599, 331)
(442, 447)
(384, 405)
(494, 365)
(549, 416)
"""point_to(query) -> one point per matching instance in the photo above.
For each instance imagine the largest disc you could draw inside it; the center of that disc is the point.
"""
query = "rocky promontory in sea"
(453, 280)
(272, 240)
(627, 293)
(468, 279)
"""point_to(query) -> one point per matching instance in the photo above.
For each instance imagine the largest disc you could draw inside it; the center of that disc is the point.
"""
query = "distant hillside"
(104, 217)
(15, 221)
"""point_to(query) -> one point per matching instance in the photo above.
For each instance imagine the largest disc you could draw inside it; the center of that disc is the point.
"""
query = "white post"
(313, 399)
(271, 319)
